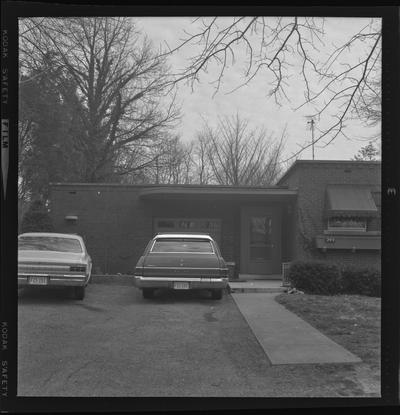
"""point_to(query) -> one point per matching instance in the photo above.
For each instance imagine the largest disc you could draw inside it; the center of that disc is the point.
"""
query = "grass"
(352, 321)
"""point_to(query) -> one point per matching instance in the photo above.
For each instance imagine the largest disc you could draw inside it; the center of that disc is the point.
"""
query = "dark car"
(181, 262)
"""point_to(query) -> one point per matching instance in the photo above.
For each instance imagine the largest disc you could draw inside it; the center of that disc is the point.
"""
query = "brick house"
(337, 211)
(326, 210)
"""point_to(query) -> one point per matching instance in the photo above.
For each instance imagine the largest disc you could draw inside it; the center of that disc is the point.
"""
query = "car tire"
(216, 294)
(79, 293)
(148, 293)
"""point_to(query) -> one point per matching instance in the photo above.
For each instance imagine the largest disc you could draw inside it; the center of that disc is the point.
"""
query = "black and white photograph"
(199, 205)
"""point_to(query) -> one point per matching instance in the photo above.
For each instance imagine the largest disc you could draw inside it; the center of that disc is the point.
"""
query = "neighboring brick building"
(257, 228)
(356, 187)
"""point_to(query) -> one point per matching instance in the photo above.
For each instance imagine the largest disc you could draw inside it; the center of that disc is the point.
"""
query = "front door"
(260, 240)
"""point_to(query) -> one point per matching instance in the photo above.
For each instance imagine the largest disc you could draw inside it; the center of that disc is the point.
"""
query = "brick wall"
(114, 223)
(311, 178)
(117, 225)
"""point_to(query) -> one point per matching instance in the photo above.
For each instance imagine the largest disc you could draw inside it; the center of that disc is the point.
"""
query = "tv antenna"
(311, 122)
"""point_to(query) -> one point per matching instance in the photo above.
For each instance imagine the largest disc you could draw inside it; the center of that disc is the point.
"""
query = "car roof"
(184, 235)
(53, 234)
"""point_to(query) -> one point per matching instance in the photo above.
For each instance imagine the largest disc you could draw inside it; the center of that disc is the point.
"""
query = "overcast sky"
(252, 101)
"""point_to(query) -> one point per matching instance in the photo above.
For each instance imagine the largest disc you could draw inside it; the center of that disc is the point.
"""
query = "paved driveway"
(114, 343)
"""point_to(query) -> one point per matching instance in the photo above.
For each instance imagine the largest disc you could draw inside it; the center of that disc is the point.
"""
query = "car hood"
(50, 257)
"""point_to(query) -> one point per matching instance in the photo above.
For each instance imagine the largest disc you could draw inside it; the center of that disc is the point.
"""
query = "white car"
(53, 259)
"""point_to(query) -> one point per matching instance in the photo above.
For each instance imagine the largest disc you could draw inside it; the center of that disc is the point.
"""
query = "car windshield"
(182, 245)
(49, 243)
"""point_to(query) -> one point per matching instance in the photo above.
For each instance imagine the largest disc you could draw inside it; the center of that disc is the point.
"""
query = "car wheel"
(216, 294)
(79, 293)
(147, 292)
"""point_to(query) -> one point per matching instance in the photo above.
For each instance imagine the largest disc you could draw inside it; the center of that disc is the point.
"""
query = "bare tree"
(174, 163)
(369, 108)
(367, 153)
(202, 172)
(167, 161)
(339, 87)
(120, 81)
(239, 155)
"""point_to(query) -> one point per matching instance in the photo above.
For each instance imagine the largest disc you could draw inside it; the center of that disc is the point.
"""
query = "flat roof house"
(327, 210)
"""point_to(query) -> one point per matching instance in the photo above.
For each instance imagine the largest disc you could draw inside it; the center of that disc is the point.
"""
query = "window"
(260, 229)
(182, 245)
(166, 224)
(347, 224)
(210, 226)
(186, 224)
(260, 234)
(49, 243)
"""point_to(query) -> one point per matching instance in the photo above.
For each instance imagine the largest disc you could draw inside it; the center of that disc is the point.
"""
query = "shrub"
(362, 281)
(315, 277)
(36, 219)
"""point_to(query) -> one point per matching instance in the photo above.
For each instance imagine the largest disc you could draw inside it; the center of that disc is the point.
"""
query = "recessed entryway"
(260, 247)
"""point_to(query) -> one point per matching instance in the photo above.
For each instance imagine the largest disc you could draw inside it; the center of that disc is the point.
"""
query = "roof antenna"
(312, 124)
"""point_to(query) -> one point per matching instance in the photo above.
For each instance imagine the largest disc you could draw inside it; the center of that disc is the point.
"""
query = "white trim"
(185, 252)
(184, 235)
(181, 268)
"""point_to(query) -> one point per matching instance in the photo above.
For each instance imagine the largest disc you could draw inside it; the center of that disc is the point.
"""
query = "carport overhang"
(219, 193)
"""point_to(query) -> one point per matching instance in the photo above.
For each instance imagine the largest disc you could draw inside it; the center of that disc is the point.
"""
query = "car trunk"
(181, 265)
(49, 262)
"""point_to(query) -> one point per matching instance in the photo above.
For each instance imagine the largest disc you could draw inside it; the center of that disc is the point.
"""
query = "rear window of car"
(182, 245)
(49, 243)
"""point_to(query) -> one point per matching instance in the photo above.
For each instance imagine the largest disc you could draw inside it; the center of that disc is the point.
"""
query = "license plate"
(181, 285)
(38, 280)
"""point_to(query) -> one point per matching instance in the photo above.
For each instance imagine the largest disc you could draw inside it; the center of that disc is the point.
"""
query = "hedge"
(323, 278)
(363, 281)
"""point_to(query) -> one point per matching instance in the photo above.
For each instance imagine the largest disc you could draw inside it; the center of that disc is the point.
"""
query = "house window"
(181, 225)
(169, 224)
(186, 224)
(347, 224)
(260, 238)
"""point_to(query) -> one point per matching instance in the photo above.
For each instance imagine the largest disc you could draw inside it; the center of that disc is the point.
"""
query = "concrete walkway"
(286, 338)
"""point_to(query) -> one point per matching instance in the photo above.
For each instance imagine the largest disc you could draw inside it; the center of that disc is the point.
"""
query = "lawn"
(352, 321)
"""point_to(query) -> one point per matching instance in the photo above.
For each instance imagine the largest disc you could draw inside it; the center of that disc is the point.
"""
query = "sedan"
(181, 262)
(53, 259)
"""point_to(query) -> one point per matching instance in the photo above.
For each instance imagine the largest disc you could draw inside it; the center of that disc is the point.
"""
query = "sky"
(252, 102)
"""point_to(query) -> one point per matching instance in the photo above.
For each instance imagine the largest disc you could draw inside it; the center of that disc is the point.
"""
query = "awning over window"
(350, 200)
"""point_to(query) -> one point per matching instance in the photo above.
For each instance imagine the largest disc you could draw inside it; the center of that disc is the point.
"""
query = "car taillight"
(77, 268)
(139, 271)
(223, 272)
